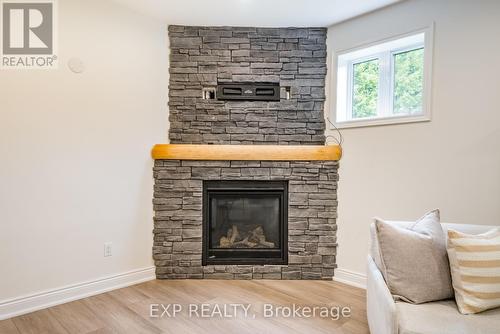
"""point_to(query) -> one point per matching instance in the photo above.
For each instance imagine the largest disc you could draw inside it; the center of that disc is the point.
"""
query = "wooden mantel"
(246, 152)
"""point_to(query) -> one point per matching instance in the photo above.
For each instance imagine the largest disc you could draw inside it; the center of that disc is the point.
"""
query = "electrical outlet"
(108, 249)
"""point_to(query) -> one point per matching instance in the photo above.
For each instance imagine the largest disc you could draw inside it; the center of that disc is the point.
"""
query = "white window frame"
(342, 101)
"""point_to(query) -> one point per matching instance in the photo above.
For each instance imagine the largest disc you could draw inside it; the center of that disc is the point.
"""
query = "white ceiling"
(260, 13)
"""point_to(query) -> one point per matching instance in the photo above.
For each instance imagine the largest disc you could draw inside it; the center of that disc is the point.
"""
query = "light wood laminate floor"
(128, 310)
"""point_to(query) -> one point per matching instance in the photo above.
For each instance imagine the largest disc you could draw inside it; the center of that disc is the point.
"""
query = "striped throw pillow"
(475, 270)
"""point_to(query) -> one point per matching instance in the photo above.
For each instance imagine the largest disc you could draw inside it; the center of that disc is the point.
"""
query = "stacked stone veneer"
(202, 56)
(311, 222)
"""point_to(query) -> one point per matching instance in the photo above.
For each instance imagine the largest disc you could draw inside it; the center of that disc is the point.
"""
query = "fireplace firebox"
(245, 222)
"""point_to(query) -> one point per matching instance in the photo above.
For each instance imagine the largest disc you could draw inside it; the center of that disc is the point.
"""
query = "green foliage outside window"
(408, 85)
(408, 82)
(365, 89)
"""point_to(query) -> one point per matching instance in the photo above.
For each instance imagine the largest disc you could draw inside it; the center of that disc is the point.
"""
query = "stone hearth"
(311, 221)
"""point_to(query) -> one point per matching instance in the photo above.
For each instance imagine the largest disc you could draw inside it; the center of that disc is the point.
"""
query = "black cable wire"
(340, 140)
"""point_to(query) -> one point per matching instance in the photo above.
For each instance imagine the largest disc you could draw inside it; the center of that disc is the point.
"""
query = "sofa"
(387, 316)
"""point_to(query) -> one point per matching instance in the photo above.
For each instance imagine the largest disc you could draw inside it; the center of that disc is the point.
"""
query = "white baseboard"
(350, 277)
(26, 304)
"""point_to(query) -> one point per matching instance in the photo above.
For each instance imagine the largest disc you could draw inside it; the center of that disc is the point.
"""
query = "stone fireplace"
(246, 215)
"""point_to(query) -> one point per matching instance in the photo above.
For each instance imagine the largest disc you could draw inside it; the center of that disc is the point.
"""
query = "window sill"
(382, 121)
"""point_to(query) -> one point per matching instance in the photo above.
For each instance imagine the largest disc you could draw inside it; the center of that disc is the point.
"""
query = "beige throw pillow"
(414, 260)
(475, 269)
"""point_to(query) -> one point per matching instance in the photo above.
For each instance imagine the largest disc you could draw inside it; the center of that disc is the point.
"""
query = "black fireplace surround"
(245, 222)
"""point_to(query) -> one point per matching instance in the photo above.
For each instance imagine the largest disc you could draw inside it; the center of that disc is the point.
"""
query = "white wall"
(75, 165)
(452, 162)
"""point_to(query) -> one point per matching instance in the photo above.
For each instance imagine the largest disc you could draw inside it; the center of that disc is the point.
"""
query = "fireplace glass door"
(244, 222)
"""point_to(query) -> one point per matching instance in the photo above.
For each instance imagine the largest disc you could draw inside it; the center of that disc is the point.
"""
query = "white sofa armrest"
(380, 306)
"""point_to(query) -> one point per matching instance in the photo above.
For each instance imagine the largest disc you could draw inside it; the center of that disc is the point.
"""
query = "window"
(384, 83)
